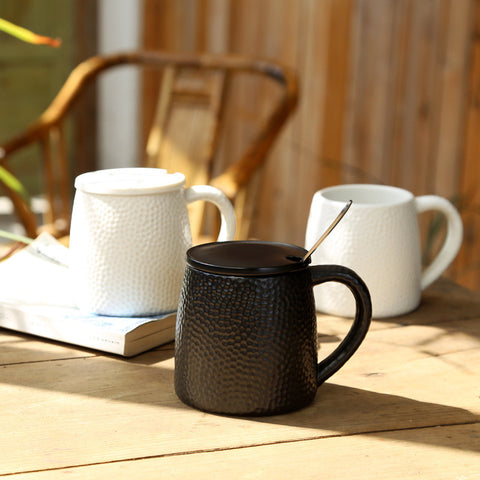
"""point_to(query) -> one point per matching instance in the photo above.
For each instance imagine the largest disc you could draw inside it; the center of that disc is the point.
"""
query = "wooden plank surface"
(17, 348)
(66, 409)
(112, 421)
(439, 453)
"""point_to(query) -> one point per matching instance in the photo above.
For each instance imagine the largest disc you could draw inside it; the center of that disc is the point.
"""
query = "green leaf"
(13, 183)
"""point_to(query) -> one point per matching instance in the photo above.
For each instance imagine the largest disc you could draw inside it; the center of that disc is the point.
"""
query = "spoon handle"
(328, 230)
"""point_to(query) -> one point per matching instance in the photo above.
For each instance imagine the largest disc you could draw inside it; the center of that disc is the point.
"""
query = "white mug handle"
(218, 198)
(452, 241)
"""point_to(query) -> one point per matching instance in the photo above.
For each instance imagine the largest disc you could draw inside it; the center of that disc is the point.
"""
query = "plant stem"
(15, 237)
(27, 35)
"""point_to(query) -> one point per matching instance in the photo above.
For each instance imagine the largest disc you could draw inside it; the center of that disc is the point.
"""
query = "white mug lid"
(129, 181)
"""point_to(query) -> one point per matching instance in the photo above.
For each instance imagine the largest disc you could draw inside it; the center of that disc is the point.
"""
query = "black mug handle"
(336, 273)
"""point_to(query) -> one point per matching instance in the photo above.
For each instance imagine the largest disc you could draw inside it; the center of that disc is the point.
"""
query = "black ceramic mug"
(246, 335)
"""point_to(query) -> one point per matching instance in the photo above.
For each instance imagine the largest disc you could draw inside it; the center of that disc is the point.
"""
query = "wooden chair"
(191, 115)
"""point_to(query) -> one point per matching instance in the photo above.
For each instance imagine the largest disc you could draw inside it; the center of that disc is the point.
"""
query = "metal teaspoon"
(328, 230)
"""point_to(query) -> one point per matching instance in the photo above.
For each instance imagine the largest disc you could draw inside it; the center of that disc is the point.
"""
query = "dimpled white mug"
(379, 239)
(129, 235)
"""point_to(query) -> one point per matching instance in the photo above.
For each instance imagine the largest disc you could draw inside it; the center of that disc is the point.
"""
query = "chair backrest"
(192, 110)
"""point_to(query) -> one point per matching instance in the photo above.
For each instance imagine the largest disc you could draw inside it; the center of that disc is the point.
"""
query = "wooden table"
(406, 406)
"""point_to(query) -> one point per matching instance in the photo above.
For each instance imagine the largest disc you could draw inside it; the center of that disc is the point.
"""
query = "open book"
(36, 298)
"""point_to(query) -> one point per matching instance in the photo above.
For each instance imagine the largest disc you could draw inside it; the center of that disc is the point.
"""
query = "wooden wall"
(390, 93)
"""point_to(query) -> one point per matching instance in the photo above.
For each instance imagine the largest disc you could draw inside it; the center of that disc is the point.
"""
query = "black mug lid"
(247, 257)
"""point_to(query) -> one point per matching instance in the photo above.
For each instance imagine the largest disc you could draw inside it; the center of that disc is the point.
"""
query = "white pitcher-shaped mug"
(379, 239)
(129, 235)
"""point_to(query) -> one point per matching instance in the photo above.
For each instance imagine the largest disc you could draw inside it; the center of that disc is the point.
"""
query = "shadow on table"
(345, 410)
(446, 306)
(336, 411)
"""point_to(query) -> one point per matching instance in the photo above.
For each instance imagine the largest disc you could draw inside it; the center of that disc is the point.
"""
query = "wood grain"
(69, 406)
(389, 455)
(411, 388)
(388, 95)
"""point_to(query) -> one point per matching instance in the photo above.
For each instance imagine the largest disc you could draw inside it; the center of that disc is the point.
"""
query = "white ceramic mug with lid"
(379, 239)
(129, 235)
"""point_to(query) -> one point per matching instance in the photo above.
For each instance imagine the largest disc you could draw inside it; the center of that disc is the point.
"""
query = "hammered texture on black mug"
(246, 335)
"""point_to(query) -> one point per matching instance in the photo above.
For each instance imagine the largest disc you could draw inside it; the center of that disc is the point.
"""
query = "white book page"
(38, 274)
